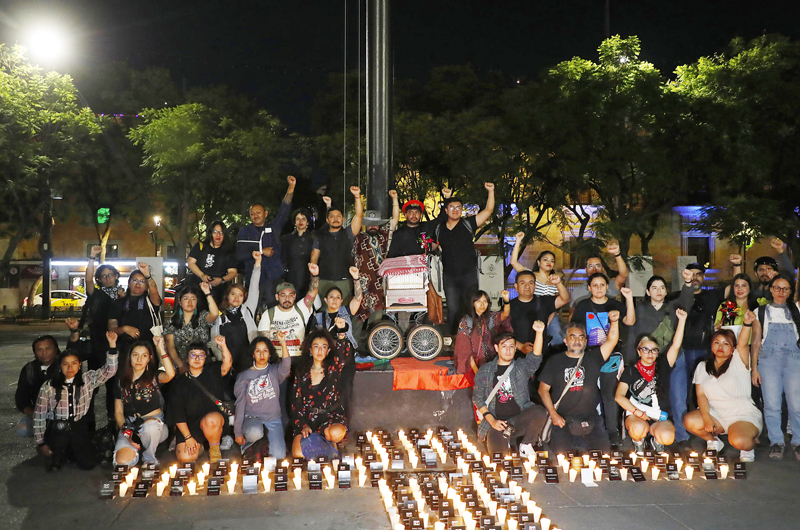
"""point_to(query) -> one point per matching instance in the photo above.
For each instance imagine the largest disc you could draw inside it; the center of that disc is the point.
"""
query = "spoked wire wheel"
(424, 342)
(385, 341)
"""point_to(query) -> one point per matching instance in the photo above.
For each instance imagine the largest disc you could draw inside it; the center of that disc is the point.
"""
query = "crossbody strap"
(569, 383)
(500, 382)
(205, 391)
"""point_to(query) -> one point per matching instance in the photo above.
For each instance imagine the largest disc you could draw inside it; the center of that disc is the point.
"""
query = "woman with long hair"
(316, 401)
(476, 331)
(133, 316)
(212, 261)
(138, 403)
(189, 324)
(724, 401)
(776, 362)
(741, 299)
(257, 394)
(60, 423)
(642, 391)
(543, 268)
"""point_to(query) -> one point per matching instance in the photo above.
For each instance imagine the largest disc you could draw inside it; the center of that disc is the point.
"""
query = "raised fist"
(219, 340)
(292, 182)
(626, 292)
(613, 316)
(613, 249)
(519, 236)
(313, 268)
(687, 276)
(749, 317)
(353, 272)
(681, 314)
(538, 326)
(393, 194)
(447, 193)
(356, 191)
(489, 186)
(505, 294)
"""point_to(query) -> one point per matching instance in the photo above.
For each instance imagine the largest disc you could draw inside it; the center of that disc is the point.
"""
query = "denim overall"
(779, 365)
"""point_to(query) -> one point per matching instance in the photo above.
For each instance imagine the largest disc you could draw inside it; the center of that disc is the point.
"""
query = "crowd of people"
(269, 364)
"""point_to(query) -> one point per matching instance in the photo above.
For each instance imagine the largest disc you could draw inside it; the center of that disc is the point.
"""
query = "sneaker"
(226, 442)
(657, 447)
(214, 454)
(615, 440)
(796, 451)
(714, 444)
(638, 447)
(525, 450)
(776, 452)
(747, 456)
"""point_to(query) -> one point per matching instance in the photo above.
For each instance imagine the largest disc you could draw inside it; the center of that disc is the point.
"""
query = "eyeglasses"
(776, 289)
(454, 207)
(197, 356)
(217, 232)
(654, 351)
(106, 276)
(189, 299)
(140, 282)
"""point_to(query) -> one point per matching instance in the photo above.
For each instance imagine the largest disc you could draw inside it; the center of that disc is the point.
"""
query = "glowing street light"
(157, 220)
(47, 42)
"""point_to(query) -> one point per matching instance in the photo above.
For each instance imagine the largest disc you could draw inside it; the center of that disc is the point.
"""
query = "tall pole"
(47, 253)
(380, 106)
(608, 19)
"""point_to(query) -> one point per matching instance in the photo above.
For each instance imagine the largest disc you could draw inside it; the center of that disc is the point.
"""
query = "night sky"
(281, 52)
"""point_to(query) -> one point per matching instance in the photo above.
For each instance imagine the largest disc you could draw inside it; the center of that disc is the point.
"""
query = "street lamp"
(47, 42)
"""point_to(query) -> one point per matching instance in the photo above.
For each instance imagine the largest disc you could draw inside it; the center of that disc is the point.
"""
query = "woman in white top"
(723, 394)
(543, 269)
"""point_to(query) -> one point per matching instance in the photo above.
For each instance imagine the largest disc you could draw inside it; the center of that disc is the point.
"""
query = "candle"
(424, 516)
(486, 460)
(565, 465)
(655, 471)
(537, 513)
(296, 472)
(201, 478)
(362, 479)
(394, 519)
(172, 470)
(231, 486)
(296, 481)
(545, 523)
(560, 459)
(331, 479)
(438, 525)
(679, 463)
(526, 496)
(585, 460)
(207, 468)
(165, 477)
(532, 475)
(369, 436)
(598, 474)
(633, 457)
(192, 485)
(572, 474)
(123, 489)
(645, 464)
(592, 465)
(518, 492)
(503, 476)
(234, 476)
(398, 526)
(623, 473)
(501, 515)
(135, 472)
(512, 524)
(129, 479)
(492, 507)
(265, 480)
(723, 470)
(285, 463)
(160, 488)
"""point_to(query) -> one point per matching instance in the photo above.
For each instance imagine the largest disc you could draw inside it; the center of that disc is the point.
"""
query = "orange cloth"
(413, 374)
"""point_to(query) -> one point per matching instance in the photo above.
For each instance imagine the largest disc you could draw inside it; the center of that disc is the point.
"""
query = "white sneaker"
(715, 444)
(747, 456)
(526, 450)
(226, 442)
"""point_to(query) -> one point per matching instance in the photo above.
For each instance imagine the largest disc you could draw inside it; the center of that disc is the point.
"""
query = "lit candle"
(424, 516)
(296, 472)
(592, 464)
(135, 472)
(565, 465)
(398, 526)
(492, 507)
(285, 463)
(723, 470)
(296, 481)
(655, 472)
(486, 460)
(207, 468)
(165, 477)
(234, 476)
(369, 436)
(645, 464)
(532, 475)
(537, 513)
(172, 470)
(438, 525)
(633, 457)
(623, 473)
(201, 478)
(231, 486)
(679, 463)
(123, 489)
(525, 497)
(518, 492)
(362, 479)
(331, 479)
(501, 515)
(503, 476)
(160, 488)
(192, 485)
(560, 459)
(545, 523)
(598, 474)
(585, 460)
(394, 518)
(512, 524)
(129, 479)
(572, 474)
(265, 480)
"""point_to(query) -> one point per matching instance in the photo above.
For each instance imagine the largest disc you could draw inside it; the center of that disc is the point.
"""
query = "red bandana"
(648, 372)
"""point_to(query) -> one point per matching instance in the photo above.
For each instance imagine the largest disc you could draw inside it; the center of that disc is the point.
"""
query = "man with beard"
(766, 268)
(333, 245)
(527, 308)
(265, 238)
(407, 239)
(369, 251)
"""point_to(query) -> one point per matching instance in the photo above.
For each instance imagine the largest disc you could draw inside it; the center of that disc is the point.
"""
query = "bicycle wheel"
(385, 341)
(424, 342)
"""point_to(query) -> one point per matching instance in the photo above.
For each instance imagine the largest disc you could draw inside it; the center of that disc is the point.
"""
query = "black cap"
(766, 260)
(695, 267)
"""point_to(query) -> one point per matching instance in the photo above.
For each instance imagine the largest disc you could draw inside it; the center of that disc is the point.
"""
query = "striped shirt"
(70, 406)
(545, 290)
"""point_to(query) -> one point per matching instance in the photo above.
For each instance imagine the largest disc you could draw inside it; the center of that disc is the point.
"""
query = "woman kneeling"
(139, 405)
(723, 394)
(642, 392)
(316, 400)
(258, 396)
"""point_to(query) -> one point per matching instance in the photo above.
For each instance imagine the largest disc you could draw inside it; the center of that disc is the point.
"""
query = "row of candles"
(565, 464)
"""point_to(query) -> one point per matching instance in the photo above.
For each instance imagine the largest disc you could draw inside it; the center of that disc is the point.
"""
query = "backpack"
(271, 315)
(471, 233)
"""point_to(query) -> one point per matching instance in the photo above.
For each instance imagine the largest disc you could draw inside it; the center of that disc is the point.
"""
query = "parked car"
(169, 298)
(60, 300)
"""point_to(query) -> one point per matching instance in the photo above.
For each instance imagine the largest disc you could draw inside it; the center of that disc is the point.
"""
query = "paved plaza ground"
(30, 498)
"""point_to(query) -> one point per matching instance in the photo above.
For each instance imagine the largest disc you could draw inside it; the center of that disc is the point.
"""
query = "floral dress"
(187, 335)
(318, 406)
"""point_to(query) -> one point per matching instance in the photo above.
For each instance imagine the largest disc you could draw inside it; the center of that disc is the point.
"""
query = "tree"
(41, 128)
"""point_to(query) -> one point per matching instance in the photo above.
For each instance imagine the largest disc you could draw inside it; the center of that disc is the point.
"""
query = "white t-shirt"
(293, 321)
(729, 395)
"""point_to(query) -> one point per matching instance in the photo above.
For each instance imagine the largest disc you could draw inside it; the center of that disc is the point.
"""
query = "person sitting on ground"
(139, 405)
(725, 405)
(192, 409)
(528, 307)
(189, 324)
(60, 425)
(32, 377)
(257, 394)
(775, 357)
(474, 342)
(237, 318)
(213, 260)
(594, 264)
(642, 387)
(576, 423)
(508, 412)
(316, 395)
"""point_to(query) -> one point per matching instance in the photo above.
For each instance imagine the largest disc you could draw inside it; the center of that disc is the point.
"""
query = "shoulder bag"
(548, 426)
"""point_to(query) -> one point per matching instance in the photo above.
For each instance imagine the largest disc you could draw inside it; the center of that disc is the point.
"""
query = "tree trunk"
(180, 251)
(34, 288)
(13, 243)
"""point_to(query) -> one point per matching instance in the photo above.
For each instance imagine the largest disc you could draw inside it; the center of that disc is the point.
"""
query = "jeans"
(457, 292)
(561, 440)
(253, 431)
(682, 374)
(608, 391)
(151, 433)
(24, 426)
(779, 365)
(528, 423)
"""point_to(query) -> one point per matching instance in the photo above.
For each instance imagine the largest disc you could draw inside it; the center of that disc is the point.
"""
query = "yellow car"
(61, 300)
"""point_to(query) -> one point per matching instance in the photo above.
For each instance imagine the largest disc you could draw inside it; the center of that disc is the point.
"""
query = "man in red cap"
(407, 239)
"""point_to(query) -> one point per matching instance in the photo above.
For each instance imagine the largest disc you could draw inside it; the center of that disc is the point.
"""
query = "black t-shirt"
(334, 252)
(99, 310)
(234, 329)
(132, 311)
(524, 314)
(188, 404)
(643, 391)
(700, 321)
(506, 405)
(213, 261)
(405, 241)
(140, 400)
(296, 254)
(583, 396)
(595, 318)
(458, 249)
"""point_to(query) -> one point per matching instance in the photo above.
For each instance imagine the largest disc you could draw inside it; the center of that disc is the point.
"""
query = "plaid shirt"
(48, 408)
(523, 370)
